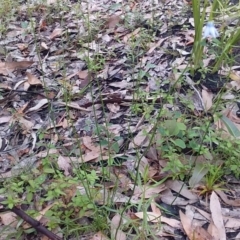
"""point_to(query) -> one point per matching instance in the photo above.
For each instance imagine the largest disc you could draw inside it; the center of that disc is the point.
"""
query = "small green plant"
(198, 24)
(176, 167)
(212, 180)
(228, 150)
(8, 7)
(210, 32)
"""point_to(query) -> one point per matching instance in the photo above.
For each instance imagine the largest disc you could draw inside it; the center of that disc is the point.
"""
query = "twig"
(34, 223)
(121, 101)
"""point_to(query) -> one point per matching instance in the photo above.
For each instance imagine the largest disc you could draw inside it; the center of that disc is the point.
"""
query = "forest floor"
(105, 133)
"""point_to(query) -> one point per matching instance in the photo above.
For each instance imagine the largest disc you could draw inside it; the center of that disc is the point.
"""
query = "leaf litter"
(74, 86)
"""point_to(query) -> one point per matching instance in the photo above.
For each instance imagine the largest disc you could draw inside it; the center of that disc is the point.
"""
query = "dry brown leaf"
(207, 99)
(44, 46)
(213, 231)
(85, 76)
(22, 46)
(152, 153)
(22, 152)
(40, 104)
(89, 156)
(99, 236)
(155, 209)
(148, 191)
(168, 198)
(223, 196)
(142, 138)
(234, 76)
(32, 80)
(9, 219)
(116, 221)
(5, 86)
(194, 233)
(64, 164)
(8, 67)
(149, 216)
(123, 84)
(186, 223)
(216, 211)
(113, 21)
(46, 153)
(172, 222)
(190, 212)
(5, 119)
(231, 114)
(56, 33)
(116, 232)
(151, 191)
(65, 123)
(204, 214)
(231, 222)
(87, 141)
(155, 216)
(200, 233)
(25, 123)
(44, 238)
(113, 107)
(156, 45)
(181, 188)
(234, 85)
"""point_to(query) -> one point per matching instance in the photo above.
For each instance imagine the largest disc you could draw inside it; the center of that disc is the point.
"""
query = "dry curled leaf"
(216, 211)
(56, 33)
(113, 21)
(223, 196)
(33, 80)
(116, 231)
(99, 236)
(9, 219)
(181, 188)
(8, 67)
(64, 164)
(194, 233)
(207, 99)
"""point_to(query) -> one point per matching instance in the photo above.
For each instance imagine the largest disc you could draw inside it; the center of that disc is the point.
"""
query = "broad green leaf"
(199, 171)
(49, 170)
(41, 178)
(179, 142)
(115, 147)
(174, 127)
(29, 197)
(171, 126)
(232, 129)
(181, 126)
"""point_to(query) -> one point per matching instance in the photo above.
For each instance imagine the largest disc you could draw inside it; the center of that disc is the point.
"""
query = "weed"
(212, 180)
(210, 32)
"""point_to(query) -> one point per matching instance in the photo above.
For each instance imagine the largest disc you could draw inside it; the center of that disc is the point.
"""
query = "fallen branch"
(31, 221)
